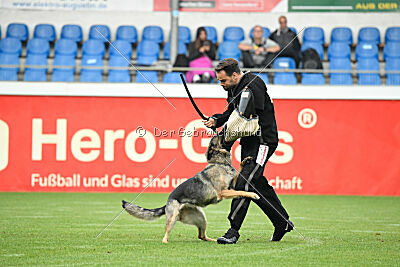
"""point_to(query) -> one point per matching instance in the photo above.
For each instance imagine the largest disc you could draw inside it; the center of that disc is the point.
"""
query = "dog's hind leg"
(195, 216)
(172, 212)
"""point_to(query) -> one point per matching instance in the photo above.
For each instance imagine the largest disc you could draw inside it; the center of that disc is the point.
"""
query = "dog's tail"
(142, 213)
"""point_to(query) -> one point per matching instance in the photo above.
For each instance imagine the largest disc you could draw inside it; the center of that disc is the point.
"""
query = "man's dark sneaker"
(231, 237)
(281, 231)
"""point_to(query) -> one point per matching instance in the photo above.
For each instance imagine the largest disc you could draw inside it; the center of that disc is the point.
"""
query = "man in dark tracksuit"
(234, 81)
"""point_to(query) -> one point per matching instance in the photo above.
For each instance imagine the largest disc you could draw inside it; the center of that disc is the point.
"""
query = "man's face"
(283, 22)
(227, 82)
(257, 32)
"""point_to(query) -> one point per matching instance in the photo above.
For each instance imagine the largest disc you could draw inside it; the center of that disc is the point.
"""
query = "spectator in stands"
(201, 55)
(258, 51)
(283, 36)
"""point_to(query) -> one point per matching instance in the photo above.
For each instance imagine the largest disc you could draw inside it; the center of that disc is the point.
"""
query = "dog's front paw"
(247, 160)
(254, 196)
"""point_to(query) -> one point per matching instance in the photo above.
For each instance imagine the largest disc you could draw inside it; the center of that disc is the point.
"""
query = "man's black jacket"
(263, 105)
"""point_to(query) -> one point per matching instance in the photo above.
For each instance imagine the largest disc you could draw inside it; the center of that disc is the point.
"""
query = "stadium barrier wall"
(78, 137)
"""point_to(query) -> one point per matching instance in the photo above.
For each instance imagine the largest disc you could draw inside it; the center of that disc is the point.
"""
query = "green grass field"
(59, 229)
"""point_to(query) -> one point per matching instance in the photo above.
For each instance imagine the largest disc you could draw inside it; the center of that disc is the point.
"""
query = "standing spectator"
(258, 51)
(201, 55)
(283, 36)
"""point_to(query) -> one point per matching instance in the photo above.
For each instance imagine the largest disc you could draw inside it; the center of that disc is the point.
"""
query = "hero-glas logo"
(4, 140)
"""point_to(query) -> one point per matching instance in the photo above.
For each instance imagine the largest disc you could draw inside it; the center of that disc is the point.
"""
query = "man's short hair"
(229, 65)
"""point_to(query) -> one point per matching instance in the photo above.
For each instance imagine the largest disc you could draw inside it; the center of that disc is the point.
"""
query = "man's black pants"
(254, 174)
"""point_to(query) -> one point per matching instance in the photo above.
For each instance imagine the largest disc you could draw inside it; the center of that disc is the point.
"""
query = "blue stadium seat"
(172, 77)
(263, 76)
(312, 79)
(229, 49)
(127, 33)
(0, 31)
(392, 64)
(147, 52)
(234, 34)
(184, 34)
(266, 32)
(391, 50)
(63, 74)
(92, 56)
(317, 46)
(153, 33)
(151, 76)
(117, 48)
(364, 64)
(338, 50)
(366, 50)
(392, 34)
(342, 34)
(10, 50)
(293, 29)
(18, 30)
(314, 34)
(181, 49)
(284, 77)
(45, 31)
(72, 31)
(100, 32)
(369, 35)
(340, 78)
(37, 52)
(211, 34)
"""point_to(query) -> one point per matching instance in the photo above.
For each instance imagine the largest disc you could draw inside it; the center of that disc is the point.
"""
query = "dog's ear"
(214, 142)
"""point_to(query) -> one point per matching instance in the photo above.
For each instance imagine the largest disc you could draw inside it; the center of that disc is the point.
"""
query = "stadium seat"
(92, 56)
(127, 33)
(65, 52)
(293, 29)
(342, 35)
(117, 48)
(364, 64)
(234, 34)
(184, 34)
(266, 32)
(147, 52)
(391, 50)
(37, 52)
(369, 35)
(263, 76)
(72, 31)
(392, 64)
(181, 49)
(0, 31)
(284, 77)
(229, 49)
(45, 31)
(151, 76)
(314, 34)
(392, 34)
(338, 50)
(312, 79)
(10, 50)
(317, 46)
(100, 32)
(211, 34)
(366, 50)
(172, 77)
(340, 78)
(18, 30)
(153, 33)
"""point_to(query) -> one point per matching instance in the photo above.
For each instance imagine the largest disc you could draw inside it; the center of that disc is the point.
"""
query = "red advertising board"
(219, 5)
(117, 144)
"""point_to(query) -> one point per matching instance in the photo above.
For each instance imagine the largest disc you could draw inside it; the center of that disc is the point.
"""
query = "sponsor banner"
(120, 144)
(98, 5)
(344, 6)
(220, 5)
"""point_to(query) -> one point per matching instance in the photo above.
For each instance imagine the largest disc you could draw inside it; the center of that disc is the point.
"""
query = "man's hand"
(209, 123)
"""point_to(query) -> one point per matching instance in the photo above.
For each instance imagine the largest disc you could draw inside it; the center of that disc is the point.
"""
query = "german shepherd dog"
(207, 187)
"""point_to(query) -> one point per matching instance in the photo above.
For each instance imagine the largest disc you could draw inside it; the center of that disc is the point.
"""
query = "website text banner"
(98, 5)
(110, 144)
(343, 6)
(221, 5)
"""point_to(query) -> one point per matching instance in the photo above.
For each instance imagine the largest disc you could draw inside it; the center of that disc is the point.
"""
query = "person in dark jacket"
(251, 177)
(283, 36)
(201, 55)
